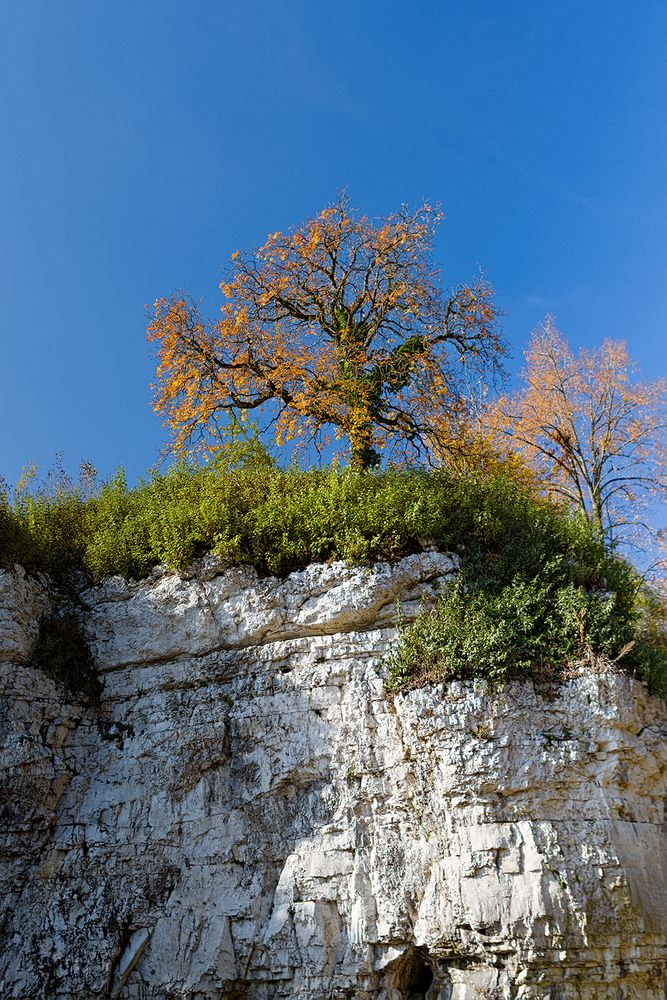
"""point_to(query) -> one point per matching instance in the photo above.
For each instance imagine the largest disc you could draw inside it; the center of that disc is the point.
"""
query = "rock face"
(247, 814)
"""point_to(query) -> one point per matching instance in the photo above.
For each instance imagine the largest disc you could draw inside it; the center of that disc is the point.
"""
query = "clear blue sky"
(143, 142)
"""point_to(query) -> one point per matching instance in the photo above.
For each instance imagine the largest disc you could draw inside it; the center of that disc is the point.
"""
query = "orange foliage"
(594, 434)
(339, 329)
(472, 444)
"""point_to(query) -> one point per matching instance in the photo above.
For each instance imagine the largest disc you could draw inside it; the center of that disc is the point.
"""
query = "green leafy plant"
(537, 586)
(531, 628)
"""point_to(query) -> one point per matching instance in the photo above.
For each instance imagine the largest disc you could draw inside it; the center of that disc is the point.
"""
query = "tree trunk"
(363, 455)
(597, 512)
(362, 392)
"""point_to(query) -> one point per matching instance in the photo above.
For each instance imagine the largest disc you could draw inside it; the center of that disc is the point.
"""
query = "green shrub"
(527, 627)
(536, 587)
(648, 657)
(281, 520)
(14, 539)
(51, 529)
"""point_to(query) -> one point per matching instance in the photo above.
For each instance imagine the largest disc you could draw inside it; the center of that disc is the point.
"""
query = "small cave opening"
(421, 979)
(412, 975)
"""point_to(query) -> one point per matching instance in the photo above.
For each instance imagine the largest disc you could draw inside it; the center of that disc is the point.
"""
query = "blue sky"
(145, 141)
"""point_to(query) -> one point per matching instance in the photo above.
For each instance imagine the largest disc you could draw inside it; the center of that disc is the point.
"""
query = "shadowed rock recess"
(246, 814)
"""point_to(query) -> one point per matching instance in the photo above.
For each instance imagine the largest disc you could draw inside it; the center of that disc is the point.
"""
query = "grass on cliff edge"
(535, 591)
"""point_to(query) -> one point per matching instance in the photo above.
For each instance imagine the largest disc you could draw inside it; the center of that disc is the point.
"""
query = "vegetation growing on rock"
(537, 588)
(63, 653)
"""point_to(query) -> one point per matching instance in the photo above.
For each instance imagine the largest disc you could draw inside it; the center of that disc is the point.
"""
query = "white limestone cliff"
(247, 814)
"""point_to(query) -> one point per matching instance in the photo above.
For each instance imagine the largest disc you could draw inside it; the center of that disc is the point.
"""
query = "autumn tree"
(594, 432)
(338, 329)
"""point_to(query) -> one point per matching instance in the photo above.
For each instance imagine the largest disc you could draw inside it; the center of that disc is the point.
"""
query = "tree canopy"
(339, 329)
(593, 431)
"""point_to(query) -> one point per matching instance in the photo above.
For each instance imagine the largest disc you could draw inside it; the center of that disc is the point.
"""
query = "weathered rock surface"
(247, 815)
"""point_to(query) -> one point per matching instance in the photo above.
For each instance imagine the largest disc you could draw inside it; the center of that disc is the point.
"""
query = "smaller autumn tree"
(339, 329)
(594, 432)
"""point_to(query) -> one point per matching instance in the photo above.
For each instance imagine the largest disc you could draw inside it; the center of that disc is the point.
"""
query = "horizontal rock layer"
(247, 814)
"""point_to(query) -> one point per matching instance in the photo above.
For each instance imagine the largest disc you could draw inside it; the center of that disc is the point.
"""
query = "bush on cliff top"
(532, 578)
(279, 521)
(525, 628)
